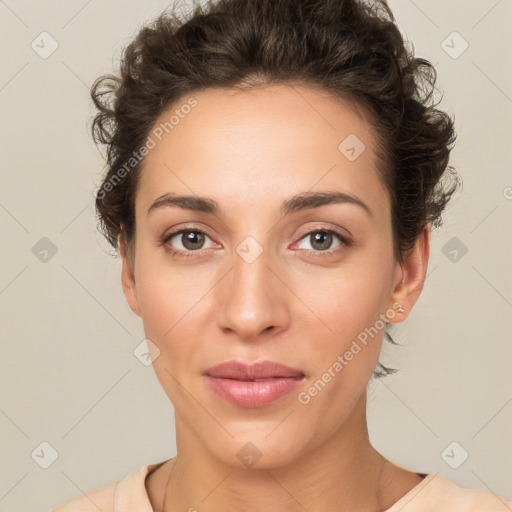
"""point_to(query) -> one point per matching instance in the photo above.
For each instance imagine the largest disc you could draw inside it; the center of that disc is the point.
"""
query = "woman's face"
(263, 279)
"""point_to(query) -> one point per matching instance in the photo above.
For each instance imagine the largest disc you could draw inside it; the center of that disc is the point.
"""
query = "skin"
(250, 150)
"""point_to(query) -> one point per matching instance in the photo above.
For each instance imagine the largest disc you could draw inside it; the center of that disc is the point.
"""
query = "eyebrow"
(298, 202)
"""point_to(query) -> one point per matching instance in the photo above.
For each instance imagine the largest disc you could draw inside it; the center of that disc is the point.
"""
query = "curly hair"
(352, 49)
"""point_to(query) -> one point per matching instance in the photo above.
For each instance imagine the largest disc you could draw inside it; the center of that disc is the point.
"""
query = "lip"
(252, 385)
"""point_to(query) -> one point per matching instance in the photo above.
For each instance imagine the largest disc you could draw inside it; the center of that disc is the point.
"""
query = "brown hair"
(352, 49)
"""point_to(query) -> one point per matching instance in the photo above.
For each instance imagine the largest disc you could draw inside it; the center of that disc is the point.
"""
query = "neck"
(345, 472)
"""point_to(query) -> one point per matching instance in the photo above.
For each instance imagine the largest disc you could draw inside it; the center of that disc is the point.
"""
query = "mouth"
(252, 385)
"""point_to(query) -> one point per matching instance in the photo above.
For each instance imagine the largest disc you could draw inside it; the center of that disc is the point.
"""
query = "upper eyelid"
(174, 232)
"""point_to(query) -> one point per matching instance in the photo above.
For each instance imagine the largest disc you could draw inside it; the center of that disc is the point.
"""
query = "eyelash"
(345, 242)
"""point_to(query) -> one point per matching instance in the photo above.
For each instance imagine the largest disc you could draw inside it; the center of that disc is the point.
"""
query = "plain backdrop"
(73, 396)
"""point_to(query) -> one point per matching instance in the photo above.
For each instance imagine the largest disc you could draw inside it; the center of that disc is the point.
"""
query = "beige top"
(433, 494)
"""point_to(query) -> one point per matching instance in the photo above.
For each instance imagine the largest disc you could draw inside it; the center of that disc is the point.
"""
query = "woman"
(274, 171)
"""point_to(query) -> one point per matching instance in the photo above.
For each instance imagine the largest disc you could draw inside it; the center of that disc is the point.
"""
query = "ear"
(128, 276)
(410, 277)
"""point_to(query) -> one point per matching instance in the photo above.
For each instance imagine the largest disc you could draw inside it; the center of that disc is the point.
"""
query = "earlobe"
(128, 277)
(407, 289)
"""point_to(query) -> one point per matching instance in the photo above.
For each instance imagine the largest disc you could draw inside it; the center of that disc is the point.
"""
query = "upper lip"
(250, 371)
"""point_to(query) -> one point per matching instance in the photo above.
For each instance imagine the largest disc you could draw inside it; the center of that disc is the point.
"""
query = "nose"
(251, 300)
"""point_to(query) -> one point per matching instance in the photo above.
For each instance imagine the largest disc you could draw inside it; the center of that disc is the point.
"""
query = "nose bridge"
(251, 300)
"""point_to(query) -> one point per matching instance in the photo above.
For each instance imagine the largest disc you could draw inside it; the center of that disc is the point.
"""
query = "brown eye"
(192, 240)
(185, 241)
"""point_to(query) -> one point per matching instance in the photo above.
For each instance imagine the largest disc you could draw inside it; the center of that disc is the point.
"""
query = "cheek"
(167, 311)
(346, 323)
(344, 346)
(165, 292)
(165, 303)
(346, 301)
(173, 302)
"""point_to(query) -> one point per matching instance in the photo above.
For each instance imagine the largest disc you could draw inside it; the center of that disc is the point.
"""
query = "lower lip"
(244, 393)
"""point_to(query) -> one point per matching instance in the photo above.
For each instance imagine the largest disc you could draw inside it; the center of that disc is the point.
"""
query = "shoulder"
(115, 497)
(102, 499)
(436, 493)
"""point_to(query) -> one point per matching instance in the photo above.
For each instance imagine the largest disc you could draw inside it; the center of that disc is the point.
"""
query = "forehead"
(259, 142)
(295, 111)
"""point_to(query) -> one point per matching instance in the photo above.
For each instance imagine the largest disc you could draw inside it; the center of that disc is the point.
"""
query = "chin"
(257, 452)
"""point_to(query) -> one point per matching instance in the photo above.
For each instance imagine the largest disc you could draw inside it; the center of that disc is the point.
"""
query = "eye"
(185, 241)
(321, 240)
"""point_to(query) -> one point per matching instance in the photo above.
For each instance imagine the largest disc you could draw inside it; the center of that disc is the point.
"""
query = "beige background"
(68, 373)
